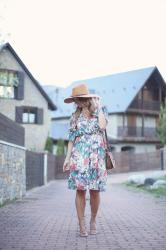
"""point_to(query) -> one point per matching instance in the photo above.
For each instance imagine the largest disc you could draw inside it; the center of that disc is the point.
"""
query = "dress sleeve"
(72, 128)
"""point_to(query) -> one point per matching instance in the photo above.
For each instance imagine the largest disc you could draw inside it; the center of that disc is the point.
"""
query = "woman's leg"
(80, 202)
(94, 203)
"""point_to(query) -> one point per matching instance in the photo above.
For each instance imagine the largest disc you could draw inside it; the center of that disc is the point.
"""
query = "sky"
(61, 41)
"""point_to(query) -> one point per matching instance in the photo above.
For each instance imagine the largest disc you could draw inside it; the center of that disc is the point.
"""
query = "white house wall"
(139, 148)
(35, 134)
(112, 126)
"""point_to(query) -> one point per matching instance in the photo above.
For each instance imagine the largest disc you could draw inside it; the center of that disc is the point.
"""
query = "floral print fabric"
(87, 161)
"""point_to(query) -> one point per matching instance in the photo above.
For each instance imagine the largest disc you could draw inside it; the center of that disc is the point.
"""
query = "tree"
(49, 144)
(60, 147)
(161, 130)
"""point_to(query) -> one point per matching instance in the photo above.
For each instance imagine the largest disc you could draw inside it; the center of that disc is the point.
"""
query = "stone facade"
(35, 134)
(12, 172)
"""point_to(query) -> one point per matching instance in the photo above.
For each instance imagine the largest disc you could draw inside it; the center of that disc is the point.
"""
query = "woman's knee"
(94, 193)
(81, 192)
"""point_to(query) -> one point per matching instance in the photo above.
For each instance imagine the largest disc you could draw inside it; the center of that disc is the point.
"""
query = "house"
(133, 101)
(22, 99)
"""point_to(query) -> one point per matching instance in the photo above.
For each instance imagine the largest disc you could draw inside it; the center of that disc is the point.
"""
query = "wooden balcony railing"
(137, 132)
(147, 105)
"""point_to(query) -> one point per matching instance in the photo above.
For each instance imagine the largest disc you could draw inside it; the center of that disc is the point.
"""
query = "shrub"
(49, 144)
(60, 147)
(161, 129)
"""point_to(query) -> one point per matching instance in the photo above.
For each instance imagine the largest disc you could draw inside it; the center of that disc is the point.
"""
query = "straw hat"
(79, 91)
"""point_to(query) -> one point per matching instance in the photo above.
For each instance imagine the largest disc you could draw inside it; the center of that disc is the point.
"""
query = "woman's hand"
(68, 156)
(98, 106)
(66, 165)
(99, 113)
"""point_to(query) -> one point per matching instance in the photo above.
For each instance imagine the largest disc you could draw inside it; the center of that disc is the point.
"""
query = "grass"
(8, 202)
(163, 178)
(156, 192)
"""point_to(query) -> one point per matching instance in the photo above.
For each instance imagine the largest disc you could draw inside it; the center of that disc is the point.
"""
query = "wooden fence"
(128, 161)
(34, 169)
(44, 167)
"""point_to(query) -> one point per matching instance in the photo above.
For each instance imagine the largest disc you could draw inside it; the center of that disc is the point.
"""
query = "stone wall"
(12, 172)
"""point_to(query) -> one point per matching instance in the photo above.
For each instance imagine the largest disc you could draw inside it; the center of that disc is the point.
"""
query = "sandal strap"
(93, 229)
(82, 224)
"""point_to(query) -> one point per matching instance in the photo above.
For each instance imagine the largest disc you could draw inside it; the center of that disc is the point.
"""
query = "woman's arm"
(101, 116)
(68, 155)
(102, 120)
(71, 138)
(69, 149)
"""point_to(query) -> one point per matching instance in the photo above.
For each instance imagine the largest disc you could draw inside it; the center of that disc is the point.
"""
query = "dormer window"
(11, 84)
(8, 81)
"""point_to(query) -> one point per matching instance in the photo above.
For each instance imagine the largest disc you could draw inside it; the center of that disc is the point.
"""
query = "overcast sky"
(62, 41)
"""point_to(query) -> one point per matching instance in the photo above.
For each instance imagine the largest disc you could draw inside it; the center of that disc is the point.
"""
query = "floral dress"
(87, 161)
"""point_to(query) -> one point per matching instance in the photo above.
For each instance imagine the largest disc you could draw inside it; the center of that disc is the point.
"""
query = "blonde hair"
(86, 103)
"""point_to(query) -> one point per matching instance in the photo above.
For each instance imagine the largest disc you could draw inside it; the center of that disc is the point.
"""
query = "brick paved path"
(46, 219)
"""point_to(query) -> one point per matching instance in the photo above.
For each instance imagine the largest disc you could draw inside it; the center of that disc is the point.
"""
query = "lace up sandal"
(93, 229)
(83, 231)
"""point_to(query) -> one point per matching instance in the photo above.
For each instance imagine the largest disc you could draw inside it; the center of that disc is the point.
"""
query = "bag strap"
(106, 138)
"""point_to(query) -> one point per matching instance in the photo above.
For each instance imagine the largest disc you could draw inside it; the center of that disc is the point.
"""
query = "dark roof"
(52, 106)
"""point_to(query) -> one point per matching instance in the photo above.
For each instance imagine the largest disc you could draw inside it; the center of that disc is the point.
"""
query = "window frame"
(29, 110)
(14, 88)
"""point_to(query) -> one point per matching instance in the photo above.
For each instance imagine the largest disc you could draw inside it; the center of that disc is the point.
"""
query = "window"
(29, 115)
(9, 80)
(6, 91)
(128, 149)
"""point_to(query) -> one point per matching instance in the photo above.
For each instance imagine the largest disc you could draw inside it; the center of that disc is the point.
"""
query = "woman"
(85, 156)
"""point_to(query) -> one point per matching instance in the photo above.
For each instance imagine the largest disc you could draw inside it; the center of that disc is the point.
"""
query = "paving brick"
(45, 219)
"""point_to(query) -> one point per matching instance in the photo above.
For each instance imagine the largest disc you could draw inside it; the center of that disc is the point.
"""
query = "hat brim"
(71, 98)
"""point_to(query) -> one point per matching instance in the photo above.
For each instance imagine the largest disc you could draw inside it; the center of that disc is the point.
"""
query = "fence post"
(45, 167)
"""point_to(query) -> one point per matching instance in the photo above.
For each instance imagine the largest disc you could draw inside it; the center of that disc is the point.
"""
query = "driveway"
(46, 219)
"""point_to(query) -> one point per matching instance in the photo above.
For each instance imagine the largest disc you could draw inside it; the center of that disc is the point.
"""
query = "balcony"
(146, 105)
(138, 132)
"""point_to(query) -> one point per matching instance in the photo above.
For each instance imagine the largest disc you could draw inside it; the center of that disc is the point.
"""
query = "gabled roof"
(57, 95)
(52, 106)
(117, 90)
